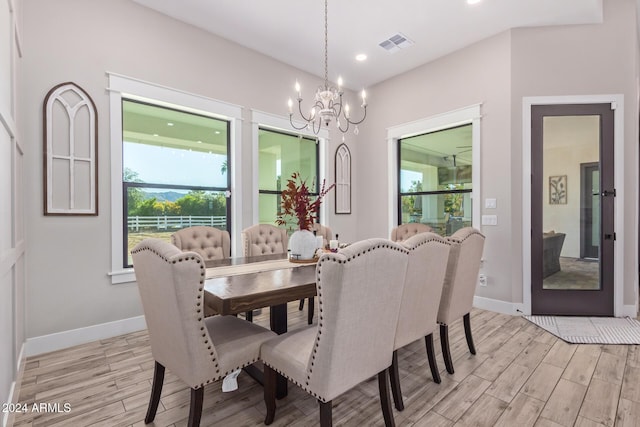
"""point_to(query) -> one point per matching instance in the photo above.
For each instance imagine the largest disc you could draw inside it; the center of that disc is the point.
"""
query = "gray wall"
(581, 60)
(12, 247)
(478, 74)
(498, 72)
(75, 40)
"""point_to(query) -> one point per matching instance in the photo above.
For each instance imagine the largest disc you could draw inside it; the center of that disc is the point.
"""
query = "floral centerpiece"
(300, 203)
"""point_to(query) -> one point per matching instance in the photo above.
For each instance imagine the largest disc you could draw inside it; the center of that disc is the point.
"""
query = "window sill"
(122, 276)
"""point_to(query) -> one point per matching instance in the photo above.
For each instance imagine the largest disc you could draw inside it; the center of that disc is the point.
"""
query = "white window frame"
(463, 116)
(274, 122)
(130, 88)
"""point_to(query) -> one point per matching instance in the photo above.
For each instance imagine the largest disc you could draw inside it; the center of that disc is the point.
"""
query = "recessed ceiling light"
(361, 57)
(473, 1)
(155, 134)
(169, 124)
(199, 142)
(217, 132)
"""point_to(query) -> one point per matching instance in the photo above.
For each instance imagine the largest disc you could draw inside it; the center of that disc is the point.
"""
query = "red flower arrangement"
(297, 201)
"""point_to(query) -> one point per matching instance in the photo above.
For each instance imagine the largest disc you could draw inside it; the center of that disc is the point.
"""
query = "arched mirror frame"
(54, 189)
(343, 180)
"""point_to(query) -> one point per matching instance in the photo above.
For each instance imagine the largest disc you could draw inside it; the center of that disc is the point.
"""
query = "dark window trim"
(127, 184)
(420, 193)
(317, 180)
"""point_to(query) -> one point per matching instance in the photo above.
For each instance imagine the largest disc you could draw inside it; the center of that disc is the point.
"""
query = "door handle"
(606, 193)
(608, 236)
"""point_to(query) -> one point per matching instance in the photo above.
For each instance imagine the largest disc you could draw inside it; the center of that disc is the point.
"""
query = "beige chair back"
(323, 231)
(404, 231)
(462, 274)
(358, 315)
(171, 289)
(264, 239)
(428, 255)
(210, 242)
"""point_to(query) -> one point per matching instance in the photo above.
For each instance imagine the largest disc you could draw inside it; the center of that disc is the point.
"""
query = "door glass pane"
(571, 203)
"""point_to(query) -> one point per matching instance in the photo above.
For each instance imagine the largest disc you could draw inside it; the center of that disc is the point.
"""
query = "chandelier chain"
(326, 45)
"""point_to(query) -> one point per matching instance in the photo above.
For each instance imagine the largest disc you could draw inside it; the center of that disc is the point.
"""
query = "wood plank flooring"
(521, 376)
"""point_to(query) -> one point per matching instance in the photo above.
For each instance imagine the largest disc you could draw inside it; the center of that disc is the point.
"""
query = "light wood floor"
(521, 376)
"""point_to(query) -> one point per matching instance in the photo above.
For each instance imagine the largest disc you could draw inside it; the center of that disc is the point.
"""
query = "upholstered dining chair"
(325, 232)
(196, 349)
(210, 242)
(404, 231)
(347, 346)
(263, 239)
(428, 255)
(459, 287)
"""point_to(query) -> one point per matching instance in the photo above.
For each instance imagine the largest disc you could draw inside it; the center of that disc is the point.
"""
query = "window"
(279, 155)
(435, 179)
(437, 171)
(144, 165)
(175, 172)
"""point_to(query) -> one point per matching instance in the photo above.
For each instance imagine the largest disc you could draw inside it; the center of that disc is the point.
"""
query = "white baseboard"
(60, 340)
(520, 309)
(496, 305)
(629, 311)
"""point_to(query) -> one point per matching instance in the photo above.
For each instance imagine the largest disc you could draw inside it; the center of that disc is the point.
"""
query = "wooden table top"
(244, 292)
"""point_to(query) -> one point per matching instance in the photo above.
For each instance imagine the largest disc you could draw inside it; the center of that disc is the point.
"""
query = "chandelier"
(328, 101)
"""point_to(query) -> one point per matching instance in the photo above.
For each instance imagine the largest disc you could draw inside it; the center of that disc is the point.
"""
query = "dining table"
(239, 285)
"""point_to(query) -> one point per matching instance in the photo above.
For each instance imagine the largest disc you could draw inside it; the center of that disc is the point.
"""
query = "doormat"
(590, 330)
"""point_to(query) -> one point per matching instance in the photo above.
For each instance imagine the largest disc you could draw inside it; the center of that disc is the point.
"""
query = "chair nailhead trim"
(199, 318)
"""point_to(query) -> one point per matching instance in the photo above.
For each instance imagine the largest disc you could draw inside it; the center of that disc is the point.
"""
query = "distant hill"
(169, 196)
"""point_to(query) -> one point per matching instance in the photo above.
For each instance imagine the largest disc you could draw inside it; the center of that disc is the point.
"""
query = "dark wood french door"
(572, 209)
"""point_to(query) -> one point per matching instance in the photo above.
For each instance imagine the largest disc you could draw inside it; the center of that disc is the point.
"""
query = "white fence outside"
(135, 223)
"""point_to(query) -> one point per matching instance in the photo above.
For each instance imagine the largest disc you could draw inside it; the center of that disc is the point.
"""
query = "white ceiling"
(292, 31)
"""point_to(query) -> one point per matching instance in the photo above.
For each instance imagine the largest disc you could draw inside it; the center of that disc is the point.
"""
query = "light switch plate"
(489, 219)
(490, 203)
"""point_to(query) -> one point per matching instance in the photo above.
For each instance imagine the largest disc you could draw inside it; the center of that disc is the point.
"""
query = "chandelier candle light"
(328, 101)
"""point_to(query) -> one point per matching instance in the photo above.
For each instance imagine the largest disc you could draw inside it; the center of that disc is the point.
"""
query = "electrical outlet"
(482, 279)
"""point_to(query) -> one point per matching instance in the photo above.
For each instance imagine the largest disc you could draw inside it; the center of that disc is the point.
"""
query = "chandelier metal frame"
(328, 99)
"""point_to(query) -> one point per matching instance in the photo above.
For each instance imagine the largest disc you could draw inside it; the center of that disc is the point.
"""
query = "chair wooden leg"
(431, 354)
(249, 316)
(270, 394)
(156, 390)
(446, 352)
(467, 332)
(195, 409)
(301, 305)
(394, 376)
(326, 413)
(385, 399)
(310, 313)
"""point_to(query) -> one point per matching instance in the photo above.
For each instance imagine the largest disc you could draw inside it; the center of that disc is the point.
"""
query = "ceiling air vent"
(395, 43)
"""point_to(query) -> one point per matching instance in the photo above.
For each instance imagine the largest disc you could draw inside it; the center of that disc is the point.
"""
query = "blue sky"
(163, 165)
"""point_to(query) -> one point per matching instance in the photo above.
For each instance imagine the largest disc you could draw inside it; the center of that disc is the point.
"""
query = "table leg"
(278, 320)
